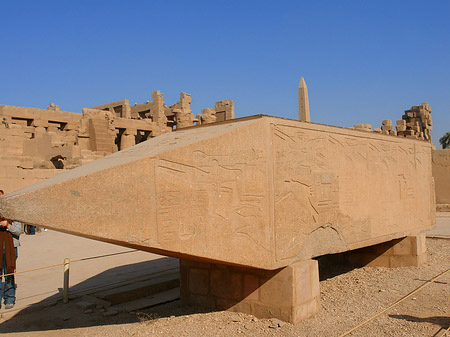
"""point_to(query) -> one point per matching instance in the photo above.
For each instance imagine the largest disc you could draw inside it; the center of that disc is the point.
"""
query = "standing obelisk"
(303, 102)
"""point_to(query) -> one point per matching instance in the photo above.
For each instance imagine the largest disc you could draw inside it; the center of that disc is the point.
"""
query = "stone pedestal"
(408, 251)
(290, 294)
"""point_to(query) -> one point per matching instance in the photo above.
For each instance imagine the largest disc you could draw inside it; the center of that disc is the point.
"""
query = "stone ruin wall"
(415, 123)
(36, 144)
(441, 174)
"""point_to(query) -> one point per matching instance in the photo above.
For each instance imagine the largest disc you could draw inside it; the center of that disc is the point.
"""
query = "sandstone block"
(199, 281)
(251, 286)
(290, 294)
(226, 284)
(278, 285)
(261, 192)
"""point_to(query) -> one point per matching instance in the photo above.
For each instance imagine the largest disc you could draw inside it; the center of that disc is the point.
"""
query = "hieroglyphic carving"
(224, 199)
(261, 192)
(354, 188)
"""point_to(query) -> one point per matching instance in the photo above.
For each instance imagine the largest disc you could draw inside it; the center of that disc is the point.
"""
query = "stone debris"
(276, 323)
(387, 128)
(100, 303)
(83, 305)
(235, 318)
(110, 313)
(363, 127)
(416, 123)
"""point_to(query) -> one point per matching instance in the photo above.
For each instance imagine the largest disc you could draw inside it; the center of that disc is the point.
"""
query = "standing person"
(9, 242)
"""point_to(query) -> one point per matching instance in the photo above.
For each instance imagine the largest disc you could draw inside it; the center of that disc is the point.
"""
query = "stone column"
(290, 294)
(128, 138)
(158, 107)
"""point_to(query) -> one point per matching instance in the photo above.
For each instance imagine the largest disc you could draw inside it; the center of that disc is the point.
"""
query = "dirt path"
(348, 297)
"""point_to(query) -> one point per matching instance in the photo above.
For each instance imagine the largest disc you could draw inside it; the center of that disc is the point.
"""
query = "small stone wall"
(441, 175)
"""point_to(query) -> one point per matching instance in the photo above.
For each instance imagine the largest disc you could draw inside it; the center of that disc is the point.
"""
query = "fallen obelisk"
(246, 204)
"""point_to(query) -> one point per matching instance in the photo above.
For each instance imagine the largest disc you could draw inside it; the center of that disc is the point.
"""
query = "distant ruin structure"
(36, 144)
(416, 123)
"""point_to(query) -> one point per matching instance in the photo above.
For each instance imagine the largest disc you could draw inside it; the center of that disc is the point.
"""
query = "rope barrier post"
(66, 280)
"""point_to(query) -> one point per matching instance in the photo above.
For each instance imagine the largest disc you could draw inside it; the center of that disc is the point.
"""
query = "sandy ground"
(115, 264)
(348, 297)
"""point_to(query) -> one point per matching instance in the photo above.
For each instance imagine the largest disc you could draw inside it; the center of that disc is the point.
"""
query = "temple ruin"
(416, 123)
(36, 144)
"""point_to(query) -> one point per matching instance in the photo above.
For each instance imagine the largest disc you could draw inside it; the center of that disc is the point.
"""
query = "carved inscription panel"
(212, 198)
(336, 190)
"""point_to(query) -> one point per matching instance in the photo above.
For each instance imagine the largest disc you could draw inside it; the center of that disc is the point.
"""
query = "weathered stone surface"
(441, 174)
(262, 192)
(303, 102)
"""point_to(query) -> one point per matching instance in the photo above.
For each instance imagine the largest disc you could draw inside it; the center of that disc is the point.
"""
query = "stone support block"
(408, 251)
(290, 294)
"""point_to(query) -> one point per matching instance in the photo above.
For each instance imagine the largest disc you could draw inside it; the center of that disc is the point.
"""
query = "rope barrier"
(66, 280)
(105, 255)
(398, 302)
(34, 269)
(78, 292)
(78, 260)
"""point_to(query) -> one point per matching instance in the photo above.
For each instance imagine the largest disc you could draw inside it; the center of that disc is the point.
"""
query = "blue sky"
(363, 61)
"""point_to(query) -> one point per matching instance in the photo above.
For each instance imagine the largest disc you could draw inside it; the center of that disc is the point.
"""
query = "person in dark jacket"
(9, 241)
